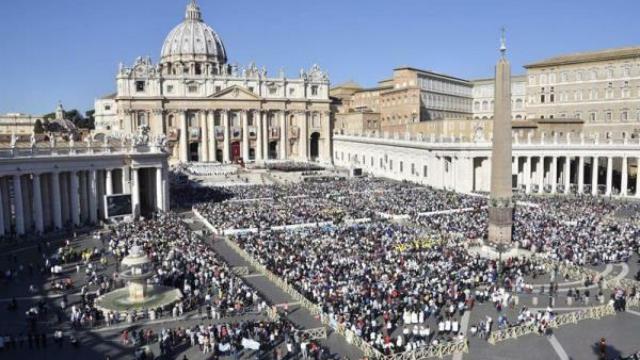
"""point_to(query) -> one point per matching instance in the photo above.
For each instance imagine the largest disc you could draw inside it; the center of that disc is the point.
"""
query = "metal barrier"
(596, 312)
(314, 334)
(241, 270)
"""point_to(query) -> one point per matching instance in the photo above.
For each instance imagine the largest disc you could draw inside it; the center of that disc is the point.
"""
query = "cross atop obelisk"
(500, 199)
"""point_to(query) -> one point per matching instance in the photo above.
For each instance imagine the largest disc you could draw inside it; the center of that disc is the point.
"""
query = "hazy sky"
(69, 50)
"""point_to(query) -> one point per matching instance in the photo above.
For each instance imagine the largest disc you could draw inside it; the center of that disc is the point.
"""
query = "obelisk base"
(500, 225)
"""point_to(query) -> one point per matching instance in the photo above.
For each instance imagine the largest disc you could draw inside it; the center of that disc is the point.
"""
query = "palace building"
(211, 110)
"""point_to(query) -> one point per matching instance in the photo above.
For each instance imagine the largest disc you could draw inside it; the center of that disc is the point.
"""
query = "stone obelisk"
(500, 201)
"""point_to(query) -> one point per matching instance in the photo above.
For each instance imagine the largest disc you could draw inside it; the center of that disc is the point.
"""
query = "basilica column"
(541, 175)
(75, 201)
(204, 130)
(226, 158)
(211, 129)
(580, 174)
(55, 196)
(184, 139)
(624, 183)
(304, 137)
(554, 174)
(567, 175)
(135, 192)
(93, 196)
(37, 204)
(638, 177)
(6, 202)
(265, 136)
(283, 136)
(609, 175)
(527, 175)
(245, 135)
(84, 199)
(257, 120)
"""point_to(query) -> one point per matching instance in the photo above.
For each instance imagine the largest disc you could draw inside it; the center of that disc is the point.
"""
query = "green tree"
(37, 127)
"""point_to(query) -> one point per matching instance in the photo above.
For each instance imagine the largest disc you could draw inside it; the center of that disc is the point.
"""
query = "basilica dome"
(193, 40)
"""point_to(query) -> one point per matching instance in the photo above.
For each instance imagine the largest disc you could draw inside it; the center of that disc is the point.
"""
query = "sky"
(69, 50)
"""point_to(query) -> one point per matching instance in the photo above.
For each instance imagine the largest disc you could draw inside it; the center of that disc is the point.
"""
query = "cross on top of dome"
(193, 11)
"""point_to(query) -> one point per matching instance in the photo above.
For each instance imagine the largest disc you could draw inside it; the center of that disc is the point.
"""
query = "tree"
(37, 127)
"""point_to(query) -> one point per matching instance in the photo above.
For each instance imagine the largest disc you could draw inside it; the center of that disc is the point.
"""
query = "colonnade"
(36, 202)
(577, 173)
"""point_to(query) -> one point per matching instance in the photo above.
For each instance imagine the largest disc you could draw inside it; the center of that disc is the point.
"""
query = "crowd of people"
(332, 200)
(279, 339)
(399, 287)
(185, 261)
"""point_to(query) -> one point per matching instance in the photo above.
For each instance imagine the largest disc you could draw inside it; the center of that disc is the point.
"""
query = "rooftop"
(590, 56)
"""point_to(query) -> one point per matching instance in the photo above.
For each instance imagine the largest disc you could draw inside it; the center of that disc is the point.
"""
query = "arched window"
(485, 105)
(519, 104)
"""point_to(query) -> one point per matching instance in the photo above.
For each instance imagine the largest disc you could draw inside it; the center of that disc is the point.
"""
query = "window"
(390, 164)
(273, 90)
(624, 116)
(169, 89)
(314, 90)
(424, 171)
(542, 99)
(401, 166)
(193, 88)
(142, 119)
(251, 88)
(608, 116)
(292, 91)
(218, 88)
(413, 169)
(107, 107)
(198, 69)
(139, 86)
(592, 117)
(610, 73)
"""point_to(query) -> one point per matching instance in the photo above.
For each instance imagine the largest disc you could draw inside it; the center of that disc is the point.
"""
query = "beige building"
(483, 98)
(600, 87)
(211, 110)
(18, 123)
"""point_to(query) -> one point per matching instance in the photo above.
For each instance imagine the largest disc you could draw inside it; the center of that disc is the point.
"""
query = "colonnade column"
(554, 174)
(541, 175)
(204, 128)
(18, 205)
(75, 201)
(135, 192)
(527, 175)
(93, 196)
(594, 176)
(609, 175)
(37, 204)
(184, 139)
(245, 135)
(624, 182)
(55, 194)
(109, 181)
(257, 120)
(638, 177)
(159, 190)
(2, 227)
(227, 133)
(283, 136)
(580, 174)
(567, 175)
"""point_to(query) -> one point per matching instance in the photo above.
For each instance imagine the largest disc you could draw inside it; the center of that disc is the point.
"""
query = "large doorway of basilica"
(218, 155)
(235, 151)
(194, 153)
(314, 146)
(273, 150)
(252, 154)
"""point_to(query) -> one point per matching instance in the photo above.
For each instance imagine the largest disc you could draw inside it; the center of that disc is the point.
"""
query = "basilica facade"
(211, 110)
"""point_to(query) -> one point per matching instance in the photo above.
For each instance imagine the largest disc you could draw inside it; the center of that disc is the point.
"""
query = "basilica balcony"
(194, 134)
(274, 133)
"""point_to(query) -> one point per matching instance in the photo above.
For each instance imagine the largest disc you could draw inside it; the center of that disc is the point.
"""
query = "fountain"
(138, 294)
